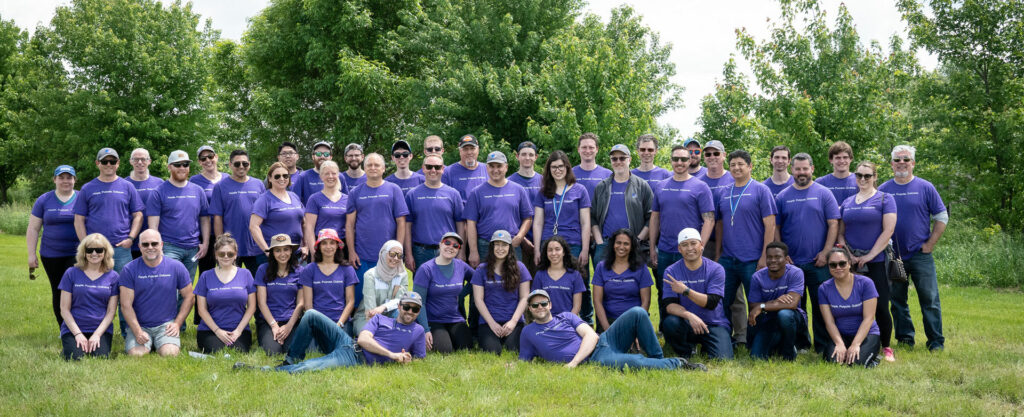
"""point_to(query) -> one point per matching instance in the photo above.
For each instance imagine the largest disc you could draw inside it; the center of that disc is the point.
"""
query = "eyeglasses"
(716, 153)
(282, 176)
(395, 255)
(149, 244)
(241, 164)
(108, 162)
(433, 149)
(695, 152)
(646, 150)
(433, 167)
(836, 265)
(139, 160)
(863, 176)
(411, 307)
(680, 159)
(181, 164)
(619, 158)
(225, 254)
(539, 304)
(207, 157)
(558, 167)
(905, 159)
(322, 154)
(401, 154)
(287, 154)
(453, 243)
(95, 250)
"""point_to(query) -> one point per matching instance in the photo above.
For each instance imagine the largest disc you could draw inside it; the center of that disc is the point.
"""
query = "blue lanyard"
(558, 207)
(734, 201)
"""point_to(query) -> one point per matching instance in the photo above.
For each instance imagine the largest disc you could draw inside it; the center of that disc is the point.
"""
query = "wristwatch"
(762, 306)
(686, 292)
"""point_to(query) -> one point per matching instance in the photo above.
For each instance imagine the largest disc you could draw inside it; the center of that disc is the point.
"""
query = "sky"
(702, 32)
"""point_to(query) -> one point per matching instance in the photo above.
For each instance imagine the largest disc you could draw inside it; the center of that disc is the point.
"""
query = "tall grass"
(14, 218)
(973, 255)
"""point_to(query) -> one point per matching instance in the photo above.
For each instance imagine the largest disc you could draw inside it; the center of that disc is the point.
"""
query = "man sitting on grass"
(567, 338)
(383, 340)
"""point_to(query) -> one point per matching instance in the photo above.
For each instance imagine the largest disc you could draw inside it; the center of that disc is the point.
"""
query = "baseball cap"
(537, 292)
(205, 148)
(501, 236)
(620, 148)
(452, 235)
(177, 156)
(323, 143)
(353, 147)
(65, 169)
(716, 145)
(105, 152)
(466, 140)
(497, 157)
(691, 140)
(526, 144)
(401, 144)
(688, 234)
(411, 297)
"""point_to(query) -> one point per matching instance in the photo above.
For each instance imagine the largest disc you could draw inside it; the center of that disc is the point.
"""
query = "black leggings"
(206, 263)
(868, 350)
(265, 336)
(880, 276)
(72, 352)
(55, 268)
(489, 342)
(209, 343)
(450, 337)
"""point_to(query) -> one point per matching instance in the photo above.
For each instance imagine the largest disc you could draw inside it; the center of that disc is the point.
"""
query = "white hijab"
(384, 272)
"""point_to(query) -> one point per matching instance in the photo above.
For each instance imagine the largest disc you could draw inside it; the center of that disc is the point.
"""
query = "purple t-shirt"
(350, 182)
(708, 279)
(681, 204)
(279, 216)
(743, 234)
(108, 208)
(560, 290)
(803, 220)
(376, 210)
(329, 214)
(849, 313)
(700, 171)
(864, 221)
(616, 218)
(394, 337)
(145, 188)
(328, 290)
(433, 212)
(179, 210)
(717, 185)
(282, 292)
(654, 176)
(565, 208)
(555, 341)
(590, 179)
(59, 237)
(206, 184)
(764, 289)
(89, 298)
(442, 300)
(531, 185)
(916, 202)
(621, 291)
(308, 182)
(226, 303)
(156, 289)
(463, 179)
(407, 184)
(841, 188)
(293, 187)
(777, 188)
(232, 200)
(500, 303)
(498, 208)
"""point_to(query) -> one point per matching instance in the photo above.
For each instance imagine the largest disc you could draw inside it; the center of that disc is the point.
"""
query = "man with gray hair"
(921, 222)
(144, 183)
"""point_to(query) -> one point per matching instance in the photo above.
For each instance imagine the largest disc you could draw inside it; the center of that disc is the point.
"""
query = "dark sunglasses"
(619, 158)
(225, 254)
(411, 307)
(394, 255)
(322, 154)
(452, 242)
(716, 153)
(646, 149)
(902, 159)
(401, 154)
(149, 244)
(181, 164)
(539, 304)
(433, 149)
(108, 162)
(282, 176)
(433, 167)
(680, 159)
(95, 250)
(863, 176)
(207, 157)
(241, 164)
(840, 264)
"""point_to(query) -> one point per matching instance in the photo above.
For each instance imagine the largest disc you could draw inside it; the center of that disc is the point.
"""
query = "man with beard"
(468, 173)
(775, 314)
(808, 222)
(354, 175)
(498, 204)
(308, 182)
(231, 205)
(150, 287)
(780, 178)
(178, 210)
(693, 147)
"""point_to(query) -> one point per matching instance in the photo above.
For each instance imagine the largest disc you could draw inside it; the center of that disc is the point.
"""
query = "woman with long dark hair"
(328, 284)
(557, 275)
(562, 208)
(500, 287)
(848, 304)
(622, 280)
(277, 210)
(277, 296)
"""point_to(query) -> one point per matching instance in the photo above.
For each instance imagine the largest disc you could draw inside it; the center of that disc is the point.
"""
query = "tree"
(12, 43)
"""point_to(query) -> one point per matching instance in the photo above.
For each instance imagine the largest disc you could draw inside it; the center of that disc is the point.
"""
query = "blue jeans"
(716, 343)
(121, 257)
(587, 304)
(920, 269)
(813, 278)
(665, 259)
(358, 288)
(337, 345)
(184, 255)
(775, 332)
(736, 272)
(615, 342)
(421, 254)
(252, 263)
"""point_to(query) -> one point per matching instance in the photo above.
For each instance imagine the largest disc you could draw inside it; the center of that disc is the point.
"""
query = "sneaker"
(690, 366)
(888, 354)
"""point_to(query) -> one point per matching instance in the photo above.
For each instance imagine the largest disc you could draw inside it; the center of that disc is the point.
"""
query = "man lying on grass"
(567, 338)
(383, 340)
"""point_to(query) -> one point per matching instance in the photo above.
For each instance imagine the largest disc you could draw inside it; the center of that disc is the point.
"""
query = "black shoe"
(690, 366)
(936, 348)
(242, 365)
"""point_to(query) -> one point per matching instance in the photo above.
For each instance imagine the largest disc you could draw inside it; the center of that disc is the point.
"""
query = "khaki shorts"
(157, 338)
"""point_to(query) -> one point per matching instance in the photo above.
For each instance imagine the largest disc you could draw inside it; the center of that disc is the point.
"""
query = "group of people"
(730, 258)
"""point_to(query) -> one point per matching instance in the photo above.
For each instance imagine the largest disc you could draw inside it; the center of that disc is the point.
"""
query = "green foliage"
(14, 218)
(972, 255)
(12, 42)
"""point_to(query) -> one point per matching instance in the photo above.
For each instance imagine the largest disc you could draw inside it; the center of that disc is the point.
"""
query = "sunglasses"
(863, 176)
(108, 162)
(95, 250)
(394, 255)
(411, 307)
(902, 160)
(282, 176)
(401, 154)
(225, 254)
(646, 150)
(680, 159)
(716, 153)
(149, 244)
(433, 149)
(453, 243)
(539, 304)
(433, 167)
(840, 264)
(322, 154)
(619, 158)
(207, 157)
(241, 164)
(694, 151)
(180, 164)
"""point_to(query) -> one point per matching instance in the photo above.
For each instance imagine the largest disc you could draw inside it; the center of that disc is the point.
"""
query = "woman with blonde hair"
(88, 299)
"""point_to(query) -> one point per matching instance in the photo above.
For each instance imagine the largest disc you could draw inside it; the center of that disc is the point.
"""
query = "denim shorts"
(157, 338)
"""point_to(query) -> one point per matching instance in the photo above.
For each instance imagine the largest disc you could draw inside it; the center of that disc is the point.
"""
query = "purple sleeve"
(372, 325)
(295, 197)
(823, 295)
(419, 345)
(201, 288)
(65, 281)
(126, 279)
(755, 295)
(350, 276)
(584, 196)
(716, 282)
(934, 200)
(250, 286)
(114, 290)
(831, 207)
(766, 195)
(645, 280)
(868, 290)
(524, 274)
(888, 203)
(37, 207)
(258, 279)
(459, 206)
(526, 352)
(705, 200)
(215, 203)
(81, 205)
(577, 283)
(538, 199)
(479, 275)
(598, 275)
(470, 211)
(261, 206)
(655, 204)
(311, 206)
(181, 274)
(353, 197)
(204, 204)
(796, 284)
(154, 203)
(574, 320)
(306, 275)
(398, 199)
(421, 277)
(134, 200)
(411, 217)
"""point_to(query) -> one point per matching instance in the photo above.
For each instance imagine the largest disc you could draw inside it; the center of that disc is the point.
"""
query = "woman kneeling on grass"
(439, 283)
(621, 281)
(226, 298)
(500, 287)
(557, 275)
(278, 297)
(88, 298)
(848, 308)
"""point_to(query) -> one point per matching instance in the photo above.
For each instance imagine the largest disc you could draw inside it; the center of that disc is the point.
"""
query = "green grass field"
(980, 373)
